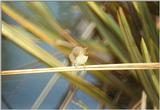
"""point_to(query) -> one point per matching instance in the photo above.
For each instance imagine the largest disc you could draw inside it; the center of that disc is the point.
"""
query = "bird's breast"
(81, 59)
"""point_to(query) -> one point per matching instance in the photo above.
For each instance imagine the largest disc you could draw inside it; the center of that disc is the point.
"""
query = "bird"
(78, 56)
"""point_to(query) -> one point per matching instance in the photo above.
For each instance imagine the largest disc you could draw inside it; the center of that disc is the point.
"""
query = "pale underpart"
(81, 59)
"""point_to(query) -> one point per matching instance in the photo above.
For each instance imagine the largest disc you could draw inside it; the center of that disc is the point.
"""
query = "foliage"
(125, 31)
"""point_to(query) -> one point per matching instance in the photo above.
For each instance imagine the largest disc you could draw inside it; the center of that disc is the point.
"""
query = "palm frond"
(122, 41)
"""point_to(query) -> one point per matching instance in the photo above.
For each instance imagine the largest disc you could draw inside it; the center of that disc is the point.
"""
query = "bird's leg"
(84, 67)
(83, 71)
(75, 65)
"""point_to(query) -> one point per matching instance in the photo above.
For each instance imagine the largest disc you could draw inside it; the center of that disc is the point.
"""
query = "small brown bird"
(78, 56)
